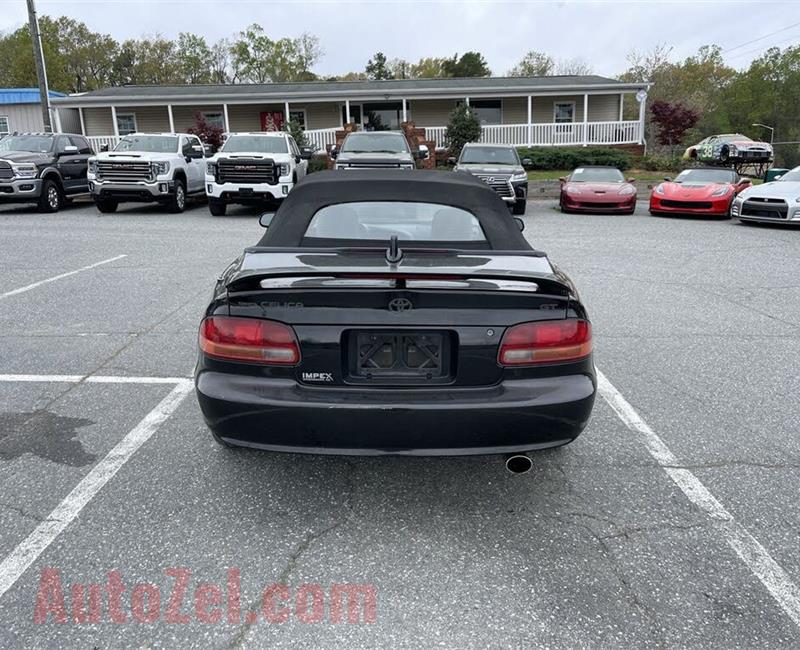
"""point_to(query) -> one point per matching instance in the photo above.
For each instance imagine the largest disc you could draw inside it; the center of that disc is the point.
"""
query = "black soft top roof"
(332, 187)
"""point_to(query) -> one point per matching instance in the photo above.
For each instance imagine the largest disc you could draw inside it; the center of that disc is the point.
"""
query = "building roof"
(23, 95)
(338, 90)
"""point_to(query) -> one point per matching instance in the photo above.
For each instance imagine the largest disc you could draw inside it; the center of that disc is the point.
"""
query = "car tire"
(51, 198)
(217, 208)
(106, 206)
(724, 155)
(177, 202)
(630, 212)
(520, 206)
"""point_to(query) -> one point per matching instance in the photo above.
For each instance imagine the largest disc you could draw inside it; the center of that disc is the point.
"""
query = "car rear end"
(415, 363)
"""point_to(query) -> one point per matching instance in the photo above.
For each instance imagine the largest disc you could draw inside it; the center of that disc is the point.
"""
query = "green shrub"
(463, 127)
(318, 163)
(296, 131)
(658, 163)
(571, 157)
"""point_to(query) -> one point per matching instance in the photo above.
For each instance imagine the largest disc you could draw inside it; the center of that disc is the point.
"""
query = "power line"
(761, 38)
(761, 48)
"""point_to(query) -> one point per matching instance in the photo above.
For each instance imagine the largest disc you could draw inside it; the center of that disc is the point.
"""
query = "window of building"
(214, 119)
(298, 116)
(126, 123)
(4, 125)
(563, 112)
(489, 111)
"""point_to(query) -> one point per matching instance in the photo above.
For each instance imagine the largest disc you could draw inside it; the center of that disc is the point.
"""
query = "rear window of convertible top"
(409, 221)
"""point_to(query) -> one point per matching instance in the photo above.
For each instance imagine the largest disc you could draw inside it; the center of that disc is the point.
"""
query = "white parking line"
(91, 379)
(747, 547)
(26, 553)
(15, 292)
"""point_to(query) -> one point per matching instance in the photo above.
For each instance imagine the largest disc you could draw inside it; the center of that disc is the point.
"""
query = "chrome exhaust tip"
(519, 463)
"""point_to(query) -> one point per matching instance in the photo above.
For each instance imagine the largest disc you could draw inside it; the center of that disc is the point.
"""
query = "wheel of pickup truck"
(177, 202)
(105, 206)
(51, 198)
(519, 206)
(217, 208)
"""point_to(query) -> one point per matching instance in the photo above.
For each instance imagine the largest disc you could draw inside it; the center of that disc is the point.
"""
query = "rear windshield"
(148, 143)
(375, 143)
(254, 144)
(596, 175)
(489, 156)
(409, 221)
(706, 176)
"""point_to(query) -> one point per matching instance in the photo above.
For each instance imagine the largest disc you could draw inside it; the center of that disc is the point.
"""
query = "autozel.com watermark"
(186, 600)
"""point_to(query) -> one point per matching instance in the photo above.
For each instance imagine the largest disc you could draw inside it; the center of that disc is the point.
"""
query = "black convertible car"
(394, 312)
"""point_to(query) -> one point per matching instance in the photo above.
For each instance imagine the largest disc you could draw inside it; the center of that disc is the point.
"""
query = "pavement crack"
(22, 512)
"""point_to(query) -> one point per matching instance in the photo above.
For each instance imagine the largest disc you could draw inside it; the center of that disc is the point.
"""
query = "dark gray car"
(377, 150)
(499, 166)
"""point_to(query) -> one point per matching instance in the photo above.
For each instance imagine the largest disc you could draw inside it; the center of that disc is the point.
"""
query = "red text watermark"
(185, 601)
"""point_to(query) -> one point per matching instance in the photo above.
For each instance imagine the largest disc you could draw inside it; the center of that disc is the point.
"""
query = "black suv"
(377, 150)
(499, 166)
(43, 168)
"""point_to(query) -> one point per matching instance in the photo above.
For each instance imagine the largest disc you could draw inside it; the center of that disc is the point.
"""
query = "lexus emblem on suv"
(400, 304)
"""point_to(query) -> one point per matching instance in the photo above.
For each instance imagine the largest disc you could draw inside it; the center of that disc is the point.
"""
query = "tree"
(470, 64)
(377, 68)
(576, 67)
(428, 68)
(673, 121)
(149, 60)
(533, 64)
(220, 62)
(208, 133)
(194, 59)
(256, 58)
(399, 69)
(294, 129)
(462, 127)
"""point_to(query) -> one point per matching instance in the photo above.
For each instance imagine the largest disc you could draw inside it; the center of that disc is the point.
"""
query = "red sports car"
(704, 191)
(597, 189)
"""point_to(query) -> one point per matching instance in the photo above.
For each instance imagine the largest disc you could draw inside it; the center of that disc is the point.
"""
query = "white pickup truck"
(254, 168)
(144, 167)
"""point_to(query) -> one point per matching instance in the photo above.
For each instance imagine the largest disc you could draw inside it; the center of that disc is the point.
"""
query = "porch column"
(466, 100)
(347, 110)
(171, 119)
(114, 120)
(57, 117)
(621, 102)
(642, 97)
(83, 121)
(286, 112)
(585, 119)
(405, 110)
(530, 121)
(225, 116)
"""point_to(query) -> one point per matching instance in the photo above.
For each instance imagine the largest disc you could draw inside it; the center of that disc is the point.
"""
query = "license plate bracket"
(414, 357)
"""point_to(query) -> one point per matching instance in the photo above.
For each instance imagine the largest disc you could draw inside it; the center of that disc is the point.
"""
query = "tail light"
(549, 341)
(249, 339)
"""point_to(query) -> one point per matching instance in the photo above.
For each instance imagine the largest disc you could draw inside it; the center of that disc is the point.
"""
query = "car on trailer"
(388, 312)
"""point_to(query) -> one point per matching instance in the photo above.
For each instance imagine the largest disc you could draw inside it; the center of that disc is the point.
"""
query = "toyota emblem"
(400, 304)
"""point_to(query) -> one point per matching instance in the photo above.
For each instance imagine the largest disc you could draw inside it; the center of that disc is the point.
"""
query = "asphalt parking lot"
(673, 521)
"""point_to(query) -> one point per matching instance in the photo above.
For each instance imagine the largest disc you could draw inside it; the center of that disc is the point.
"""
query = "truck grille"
(244, 170)
(366, 165)
(499, 184)
(124, 172)
(765, 208)
(5, 170)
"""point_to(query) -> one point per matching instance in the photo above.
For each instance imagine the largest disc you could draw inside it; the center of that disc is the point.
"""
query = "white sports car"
(778, 201)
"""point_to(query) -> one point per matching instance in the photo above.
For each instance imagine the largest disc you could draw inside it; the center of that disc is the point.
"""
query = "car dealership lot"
(610, 541)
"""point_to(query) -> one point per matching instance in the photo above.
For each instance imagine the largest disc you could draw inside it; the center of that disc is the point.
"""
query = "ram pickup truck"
(499, 166)
(377, 150)
(43, 168)
(254, 168)
(163, 168)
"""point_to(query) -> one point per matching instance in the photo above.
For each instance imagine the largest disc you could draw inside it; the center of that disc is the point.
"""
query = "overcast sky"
(600, 31)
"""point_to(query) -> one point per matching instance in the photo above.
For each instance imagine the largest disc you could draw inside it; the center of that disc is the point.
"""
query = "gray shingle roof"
(344, 89)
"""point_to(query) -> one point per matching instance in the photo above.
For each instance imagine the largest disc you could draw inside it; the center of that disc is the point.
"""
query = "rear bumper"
(282, 415)
(20, 190)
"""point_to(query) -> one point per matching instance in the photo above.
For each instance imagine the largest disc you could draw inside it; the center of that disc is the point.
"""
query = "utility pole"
(41, 72)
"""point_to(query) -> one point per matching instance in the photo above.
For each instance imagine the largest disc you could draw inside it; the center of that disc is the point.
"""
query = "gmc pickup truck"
(143, 167)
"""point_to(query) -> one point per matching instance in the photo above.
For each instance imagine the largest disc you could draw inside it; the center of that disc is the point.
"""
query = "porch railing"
(98, 141)
(320, 138)
(550, 134)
